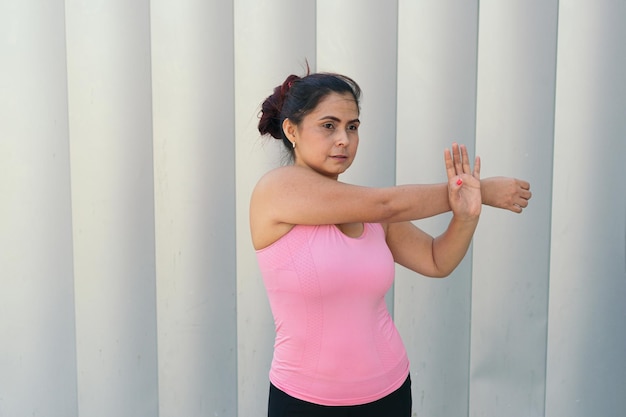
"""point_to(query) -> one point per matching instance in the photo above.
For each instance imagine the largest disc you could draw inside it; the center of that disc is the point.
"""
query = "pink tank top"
(336, 343)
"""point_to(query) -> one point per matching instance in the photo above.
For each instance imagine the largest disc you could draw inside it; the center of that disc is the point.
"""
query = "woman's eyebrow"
(336, 119)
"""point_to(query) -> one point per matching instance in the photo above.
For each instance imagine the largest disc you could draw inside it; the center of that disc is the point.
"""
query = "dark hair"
(298, 96)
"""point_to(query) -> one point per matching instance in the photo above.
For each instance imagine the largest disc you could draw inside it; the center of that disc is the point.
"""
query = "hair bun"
(270, 122)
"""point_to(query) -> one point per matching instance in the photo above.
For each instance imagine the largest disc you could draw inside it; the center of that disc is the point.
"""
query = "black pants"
(396, 404)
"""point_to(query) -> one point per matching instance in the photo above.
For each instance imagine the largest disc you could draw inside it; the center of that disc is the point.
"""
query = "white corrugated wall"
(128, 151)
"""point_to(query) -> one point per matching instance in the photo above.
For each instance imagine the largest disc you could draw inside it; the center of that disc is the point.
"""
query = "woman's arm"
(505, 193)
(438, 257)
(432, 257)
(296, 195)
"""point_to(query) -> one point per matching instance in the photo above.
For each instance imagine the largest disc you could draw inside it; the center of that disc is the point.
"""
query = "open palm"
(463, 183)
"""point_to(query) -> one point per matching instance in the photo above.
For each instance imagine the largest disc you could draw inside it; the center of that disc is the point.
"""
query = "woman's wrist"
(485, 191)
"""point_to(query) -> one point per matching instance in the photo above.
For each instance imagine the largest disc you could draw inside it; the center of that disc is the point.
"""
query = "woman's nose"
(342, 138)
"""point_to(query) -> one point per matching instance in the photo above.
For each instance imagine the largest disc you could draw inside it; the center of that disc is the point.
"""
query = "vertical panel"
(272, 40)
(113, 202)
(113, 206)
(37, 334)
(436, 106)
(195, 206)
(515, 102)
(586, 342)
(359, 39)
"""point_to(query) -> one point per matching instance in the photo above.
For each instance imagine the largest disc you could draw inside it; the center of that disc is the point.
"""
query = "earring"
(293, 144)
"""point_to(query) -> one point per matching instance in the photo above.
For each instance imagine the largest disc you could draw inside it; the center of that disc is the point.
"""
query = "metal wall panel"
(155, 89)
(359, 39)
(37, 332)
(273, 39)
(586, 340)
(194, 152)
(436, 106)
(113, 206)
(514, 127)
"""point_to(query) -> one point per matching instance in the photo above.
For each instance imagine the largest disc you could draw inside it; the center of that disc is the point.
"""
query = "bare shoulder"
(265, 224)
(271, 184)
(293, 195)
(290, 174)
(288, 185)
(272, 178)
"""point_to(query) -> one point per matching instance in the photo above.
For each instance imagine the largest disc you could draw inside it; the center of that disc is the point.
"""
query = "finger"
(477, 167)
(465, 160)
(525, 194)
(450, 171)
(456, 153)
(523, 184)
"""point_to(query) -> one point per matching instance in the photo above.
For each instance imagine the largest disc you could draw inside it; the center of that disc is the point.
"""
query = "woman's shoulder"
(290, 177)
(284, 173)
(265, 227)
(274, 175)
(272, 179)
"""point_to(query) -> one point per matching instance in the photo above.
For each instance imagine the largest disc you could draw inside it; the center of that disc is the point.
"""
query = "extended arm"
(305, 197)
(295, 195)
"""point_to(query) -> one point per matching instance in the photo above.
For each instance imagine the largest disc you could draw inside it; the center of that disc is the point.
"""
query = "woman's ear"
(290, 129)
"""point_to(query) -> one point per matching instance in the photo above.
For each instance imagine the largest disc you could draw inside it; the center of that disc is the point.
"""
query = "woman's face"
(327, 138)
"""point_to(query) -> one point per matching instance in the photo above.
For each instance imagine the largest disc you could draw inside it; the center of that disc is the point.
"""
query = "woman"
(327, 249)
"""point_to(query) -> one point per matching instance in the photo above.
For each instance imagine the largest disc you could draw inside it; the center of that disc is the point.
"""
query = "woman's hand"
(437, 257)
(506, 193)
(463, 184)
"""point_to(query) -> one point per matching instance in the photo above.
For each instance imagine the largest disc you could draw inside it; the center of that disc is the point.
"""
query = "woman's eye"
(353, 127)
(328, 125)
